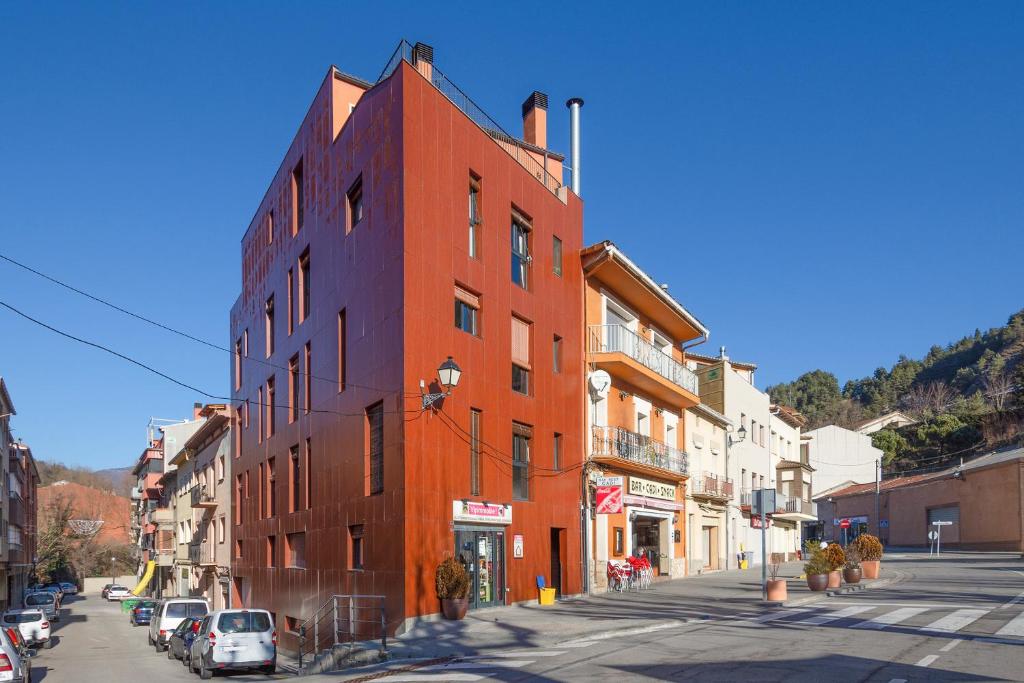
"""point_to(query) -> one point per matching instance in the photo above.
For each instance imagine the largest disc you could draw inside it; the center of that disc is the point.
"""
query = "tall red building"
(403, 227)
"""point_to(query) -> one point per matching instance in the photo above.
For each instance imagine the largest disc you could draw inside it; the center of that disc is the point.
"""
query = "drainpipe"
(574, 105)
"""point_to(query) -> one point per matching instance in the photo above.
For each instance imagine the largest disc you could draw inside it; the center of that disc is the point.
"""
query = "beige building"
(201, 504)
(710, 490)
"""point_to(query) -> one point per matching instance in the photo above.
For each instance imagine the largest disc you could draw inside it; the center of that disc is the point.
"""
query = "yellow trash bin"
(743, 564)
(547, 596)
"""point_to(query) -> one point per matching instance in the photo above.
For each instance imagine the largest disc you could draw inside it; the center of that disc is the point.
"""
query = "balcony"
(795, 509)
(136, 493)
(639, 453)
(712, 487)
(165, 558)
(162, 516)
(627, 355)
(202, 499)
(746, 499)
(201, 554)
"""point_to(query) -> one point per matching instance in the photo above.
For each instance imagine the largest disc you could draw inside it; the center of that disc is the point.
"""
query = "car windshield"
(178, 610)
(243, 622)
(118, 588)
(39, 599)
(146, 604)
(23, 618)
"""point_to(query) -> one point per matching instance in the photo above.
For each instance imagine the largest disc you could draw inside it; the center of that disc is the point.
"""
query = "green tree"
(55, 547)
(815, 394)
(891, 443)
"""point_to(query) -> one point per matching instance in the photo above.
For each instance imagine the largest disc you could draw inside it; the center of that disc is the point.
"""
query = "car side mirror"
(29, 654)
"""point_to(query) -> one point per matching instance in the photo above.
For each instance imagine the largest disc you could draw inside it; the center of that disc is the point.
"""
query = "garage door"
(951, 532)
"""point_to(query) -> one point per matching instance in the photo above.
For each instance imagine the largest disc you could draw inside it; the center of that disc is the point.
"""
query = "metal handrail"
(341, 619)
(621, 339)
(622, 443)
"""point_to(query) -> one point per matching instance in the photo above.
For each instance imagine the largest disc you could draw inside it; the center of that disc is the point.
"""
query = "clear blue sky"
(824, 184)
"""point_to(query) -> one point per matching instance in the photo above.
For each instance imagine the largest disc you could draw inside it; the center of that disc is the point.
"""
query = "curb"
(895, 577)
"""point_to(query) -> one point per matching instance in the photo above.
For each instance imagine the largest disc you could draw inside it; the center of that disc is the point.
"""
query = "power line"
(173, 330)
(164, 375)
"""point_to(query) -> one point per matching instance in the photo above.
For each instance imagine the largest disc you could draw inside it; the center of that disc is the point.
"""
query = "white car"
(118, 593)
(235, 640)
(33, 625)
(168, 614)
(14, 665)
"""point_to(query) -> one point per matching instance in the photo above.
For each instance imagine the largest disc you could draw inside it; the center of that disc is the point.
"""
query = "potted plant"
(851, 570)
(452, 583)
(816, 567)
(836, 558)
(870, 550)
(776, 586)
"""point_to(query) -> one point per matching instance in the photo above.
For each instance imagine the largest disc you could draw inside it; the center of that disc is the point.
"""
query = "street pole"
(878, 486)
(764, 516)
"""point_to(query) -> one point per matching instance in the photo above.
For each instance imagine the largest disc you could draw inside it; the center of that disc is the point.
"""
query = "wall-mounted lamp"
(448, 375)
(741, 435)
(623, 395)
(658, 411)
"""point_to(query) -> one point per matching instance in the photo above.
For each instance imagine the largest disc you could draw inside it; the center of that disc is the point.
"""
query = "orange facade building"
(397, 203)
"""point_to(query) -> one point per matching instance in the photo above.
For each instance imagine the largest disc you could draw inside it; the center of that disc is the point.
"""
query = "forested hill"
(953, 390)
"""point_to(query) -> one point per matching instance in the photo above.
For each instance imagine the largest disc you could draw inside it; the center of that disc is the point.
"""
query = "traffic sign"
(941, 523)
(844, 524)
(932, 535)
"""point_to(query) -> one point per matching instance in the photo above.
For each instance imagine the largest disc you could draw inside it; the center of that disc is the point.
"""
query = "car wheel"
(185, 661)
(204, 672)
(268, 669)
(170, 652)
(149, 637)
(47, 644)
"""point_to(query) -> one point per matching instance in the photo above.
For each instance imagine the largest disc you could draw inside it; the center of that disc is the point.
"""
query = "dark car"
(180, 641)
(106, 587)
(142, 612)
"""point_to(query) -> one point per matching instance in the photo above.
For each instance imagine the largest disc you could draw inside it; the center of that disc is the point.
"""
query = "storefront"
(480, 534)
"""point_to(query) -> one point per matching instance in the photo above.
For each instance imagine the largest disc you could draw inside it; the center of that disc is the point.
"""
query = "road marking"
(779, 615)
(898, 680)
(1014, 628)
(623, 633)
(1013, 602)
(950, 645)
(520, 653)
(890, 618)
(933, 605)
(927, 661)
(507, 663)
(834, 616)
(955, 621)
(412, 678)
(576, 644)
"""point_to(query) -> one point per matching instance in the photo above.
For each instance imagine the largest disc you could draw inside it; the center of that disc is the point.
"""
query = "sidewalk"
(670, 602)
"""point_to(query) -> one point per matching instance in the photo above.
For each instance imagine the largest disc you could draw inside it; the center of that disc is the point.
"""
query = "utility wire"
(172, 330)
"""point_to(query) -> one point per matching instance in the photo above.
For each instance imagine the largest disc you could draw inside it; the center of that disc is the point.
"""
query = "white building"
(893, 420)
(709, 491)
(839, 455)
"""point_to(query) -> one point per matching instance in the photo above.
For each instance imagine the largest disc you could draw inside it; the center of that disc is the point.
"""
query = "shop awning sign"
(609, 495)
(481, 513)
(651, 489)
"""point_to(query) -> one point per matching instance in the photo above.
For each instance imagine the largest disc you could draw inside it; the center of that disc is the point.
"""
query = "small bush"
(816, 563)
(869, 547)
(852, 557)
(835, 556)
(452, 580)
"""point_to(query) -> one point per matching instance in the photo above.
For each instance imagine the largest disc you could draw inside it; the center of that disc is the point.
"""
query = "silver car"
(14, 664)
(235, 640)
(45, 602)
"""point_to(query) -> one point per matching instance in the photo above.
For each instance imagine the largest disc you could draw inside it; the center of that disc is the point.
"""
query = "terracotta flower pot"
(453, 608)
(835, 579)
(777, 590)
(817, 582)
(851, 575)
(870, 568)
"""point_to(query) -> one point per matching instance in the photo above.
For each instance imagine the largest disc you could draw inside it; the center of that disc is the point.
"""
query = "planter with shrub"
(870, 551)
(452, 583)
(852, 570)
(777, 591)
(816, 568)
(835, 557)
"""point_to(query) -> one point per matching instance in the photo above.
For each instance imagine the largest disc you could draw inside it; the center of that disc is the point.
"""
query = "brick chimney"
(197, 409)
(535, 119)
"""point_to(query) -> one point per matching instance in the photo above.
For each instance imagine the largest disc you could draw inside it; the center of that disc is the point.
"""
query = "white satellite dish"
(600, 383)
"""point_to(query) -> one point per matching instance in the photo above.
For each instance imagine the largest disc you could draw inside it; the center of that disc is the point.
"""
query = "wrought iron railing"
(533, 159)
(200, 496)
(343, 619)
(805, 507)
(617, 338)
(201, 553)
(711, 485)
(622, 443)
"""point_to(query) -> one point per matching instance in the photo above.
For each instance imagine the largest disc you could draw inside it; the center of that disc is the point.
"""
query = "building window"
(295, 477)
(474, 216)
(355, 203)
(260, 498)
(355, 546)
(271, 394)
(520, 250)
(269, 324)
(220, 468)
(307, 354)
(308, 469)
(270, 227)
(341, 350)
(467, 311)
(220, 530)
(474, 452)
(271, 487)
(298, 199)
(556, 354)
(238, 364)
(556, 452)
(291, 301)
(304, 286)
(556, 256)
(619, 538)
(375, 447)
(247, 493)
(293, 389)
(521, 435)
(520, 356)
(271, 550)
(753, 432)
(296, 550)
(260, 409)
(238, 549)
(239, 492)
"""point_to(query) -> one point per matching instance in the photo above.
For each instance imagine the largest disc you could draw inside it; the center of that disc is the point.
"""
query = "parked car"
(32, 624)
(142, 612)
(69, 588)
(106, 589)
(116, 592)
(181, 638)
(169, 613)
(15, 664)
(45, 602)
(55, 592)
(235, 640)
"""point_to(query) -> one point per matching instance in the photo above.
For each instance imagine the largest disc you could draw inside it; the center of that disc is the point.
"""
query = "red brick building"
(397, 202)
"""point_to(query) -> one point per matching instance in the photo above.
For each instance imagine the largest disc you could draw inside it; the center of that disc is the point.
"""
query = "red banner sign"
(755, 521)
(609, 499)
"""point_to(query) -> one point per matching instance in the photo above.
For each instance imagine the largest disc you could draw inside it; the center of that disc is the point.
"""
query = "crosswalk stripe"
(480, 664)
(1015, 627)
(834, 616)
(774, 616)
(521, 653)
(956, 621)
(890, 618)
(415, 678)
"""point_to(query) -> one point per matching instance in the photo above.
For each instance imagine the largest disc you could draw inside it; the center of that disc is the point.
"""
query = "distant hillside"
(956, 391)
(117, 480)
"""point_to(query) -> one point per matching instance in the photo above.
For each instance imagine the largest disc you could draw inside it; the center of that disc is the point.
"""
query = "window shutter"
(521, 343)
(467, 297)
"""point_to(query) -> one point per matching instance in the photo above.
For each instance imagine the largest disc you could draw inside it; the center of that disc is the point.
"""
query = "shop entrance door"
(646, 541)
(482, 553)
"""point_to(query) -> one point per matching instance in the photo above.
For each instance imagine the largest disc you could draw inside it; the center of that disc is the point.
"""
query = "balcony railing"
(746, 498)
(804, 507)
(201, 553)
(202, 499)
(616, 338)
(710, 485)
(622, 443)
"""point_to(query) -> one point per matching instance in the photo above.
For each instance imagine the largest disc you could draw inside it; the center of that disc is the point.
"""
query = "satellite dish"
(600, 383)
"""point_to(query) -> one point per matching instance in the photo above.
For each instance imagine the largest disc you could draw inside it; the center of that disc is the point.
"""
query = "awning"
(651, 503)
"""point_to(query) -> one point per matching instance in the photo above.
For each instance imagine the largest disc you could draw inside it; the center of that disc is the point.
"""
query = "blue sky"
(824, 184)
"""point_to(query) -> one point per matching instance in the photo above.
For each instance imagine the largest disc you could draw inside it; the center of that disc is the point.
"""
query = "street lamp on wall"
(741, 435)
(448, 374)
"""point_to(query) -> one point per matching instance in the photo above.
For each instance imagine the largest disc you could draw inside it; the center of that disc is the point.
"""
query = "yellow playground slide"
(147, 576)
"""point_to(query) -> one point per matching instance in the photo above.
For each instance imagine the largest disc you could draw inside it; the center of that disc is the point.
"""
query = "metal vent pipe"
(574, 105)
